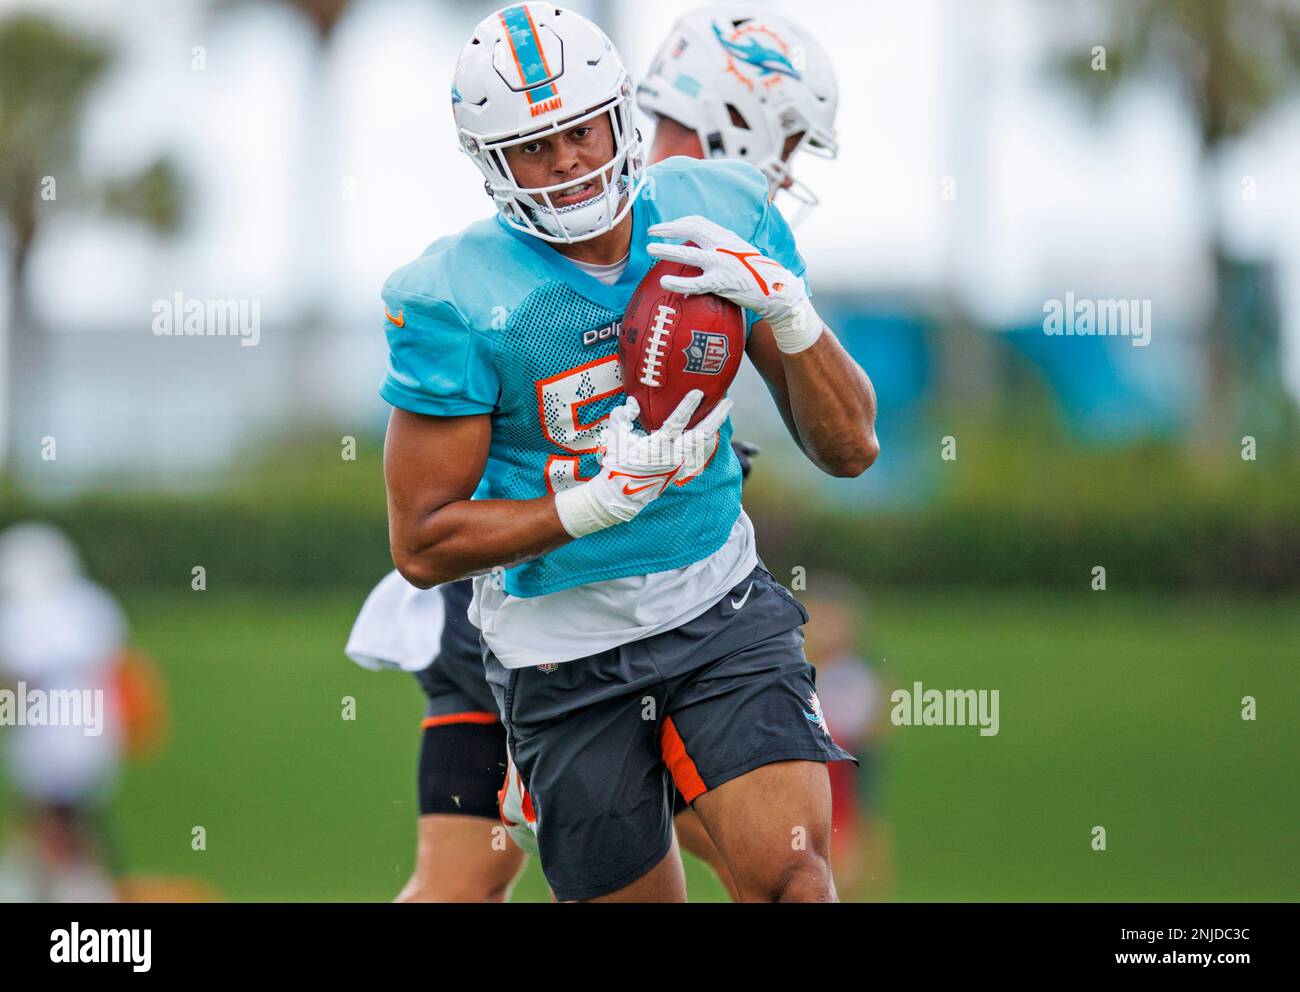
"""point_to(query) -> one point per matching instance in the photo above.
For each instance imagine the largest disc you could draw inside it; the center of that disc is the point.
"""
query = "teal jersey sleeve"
(774, 239)
(437, 363)
(772, 235)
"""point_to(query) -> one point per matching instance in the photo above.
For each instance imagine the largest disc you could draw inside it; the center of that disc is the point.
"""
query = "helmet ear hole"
(737, 118)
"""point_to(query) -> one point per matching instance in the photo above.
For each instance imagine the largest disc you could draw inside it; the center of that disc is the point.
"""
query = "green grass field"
(1119, 711)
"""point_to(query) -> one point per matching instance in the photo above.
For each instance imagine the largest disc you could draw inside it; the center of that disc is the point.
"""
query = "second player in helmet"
(737, 81)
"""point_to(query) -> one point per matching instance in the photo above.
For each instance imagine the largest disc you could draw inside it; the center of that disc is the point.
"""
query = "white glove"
(734, 269)
(637, 468)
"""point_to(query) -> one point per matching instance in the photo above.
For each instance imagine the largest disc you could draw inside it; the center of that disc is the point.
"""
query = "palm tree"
(1231, 60)
(46, 75)
(317, 207)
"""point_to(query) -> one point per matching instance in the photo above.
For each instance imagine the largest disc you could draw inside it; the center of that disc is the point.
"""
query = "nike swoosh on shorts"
(737, 605)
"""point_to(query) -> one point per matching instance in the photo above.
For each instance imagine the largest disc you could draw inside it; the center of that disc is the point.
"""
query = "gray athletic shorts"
(453, 683)
(600, 741)
(462, 743)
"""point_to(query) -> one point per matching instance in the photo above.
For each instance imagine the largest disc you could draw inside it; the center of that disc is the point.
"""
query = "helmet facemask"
(532, 211)
(780, 177)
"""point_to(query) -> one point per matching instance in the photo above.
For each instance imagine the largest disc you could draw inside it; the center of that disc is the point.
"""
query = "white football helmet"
(745, 80)
(535, 69)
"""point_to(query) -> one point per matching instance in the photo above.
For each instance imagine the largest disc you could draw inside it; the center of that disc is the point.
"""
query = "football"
(671, 344)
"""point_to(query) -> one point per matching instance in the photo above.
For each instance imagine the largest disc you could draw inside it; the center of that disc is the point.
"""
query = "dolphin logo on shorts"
(816, 715)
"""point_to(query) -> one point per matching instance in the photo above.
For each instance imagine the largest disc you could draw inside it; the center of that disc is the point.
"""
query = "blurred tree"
(323, 15)
(1232, 61)
(320, 201)
(46, 76)
(317, 208)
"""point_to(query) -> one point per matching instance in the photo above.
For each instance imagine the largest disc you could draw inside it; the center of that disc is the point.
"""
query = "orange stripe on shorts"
(473, 717)
(685, 775)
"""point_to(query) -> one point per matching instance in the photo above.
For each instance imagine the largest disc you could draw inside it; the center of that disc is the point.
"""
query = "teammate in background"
(854, 701)
(738, 82)
(462, 743)
(722, 49)
(615, 596)
(59, 633)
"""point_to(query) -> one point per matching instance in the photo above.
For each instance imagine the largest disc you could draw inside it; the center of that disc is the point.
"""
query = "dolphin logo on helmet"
(773, 83)
(765, 59)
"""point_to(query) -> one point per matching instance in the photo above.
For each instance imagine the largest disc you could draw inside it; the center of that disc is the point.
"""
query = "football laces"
(657, 346)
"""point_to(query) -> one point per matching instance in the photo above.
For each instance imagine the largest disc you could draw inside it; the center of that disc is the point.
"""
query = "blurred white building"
(307, 210)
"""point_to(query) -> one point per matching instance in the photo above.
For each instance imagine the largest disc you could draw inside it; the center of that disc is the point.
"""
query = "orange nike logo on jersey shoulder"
(399, 320)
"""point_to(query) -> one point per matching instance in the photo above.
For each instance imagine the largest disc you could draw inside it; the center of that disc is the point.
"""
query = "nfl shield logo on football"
(707, 352)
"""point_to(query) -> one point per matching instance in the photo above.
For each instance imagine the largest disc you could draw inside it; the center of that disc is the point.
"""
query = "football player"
(735, 81)
(855, 708)
(613, 566)
(462, 759)
(707, 82)
(60, 632)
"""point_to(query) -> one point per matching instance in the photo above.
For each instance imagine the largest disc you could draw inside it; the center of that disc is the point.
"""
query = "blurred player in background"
(854, 702)
(745, 84)
(60, 633)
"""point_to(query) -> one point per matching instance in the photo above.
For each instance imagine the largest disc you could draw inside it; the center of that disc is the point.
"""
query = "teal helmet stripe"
(527, 49)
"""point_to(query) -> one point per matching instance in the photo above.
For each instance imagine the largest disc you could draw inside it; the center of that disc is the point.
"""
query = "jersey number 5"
(561, 400)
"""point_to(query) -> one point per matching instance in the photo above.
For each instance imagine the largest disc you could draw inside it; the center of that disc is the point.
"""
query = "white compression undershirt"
(608, 274)
(587, 619)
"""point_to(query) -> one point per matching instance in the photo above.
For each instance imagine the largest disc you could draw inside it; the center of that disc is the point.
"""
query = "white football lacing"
(658, 348)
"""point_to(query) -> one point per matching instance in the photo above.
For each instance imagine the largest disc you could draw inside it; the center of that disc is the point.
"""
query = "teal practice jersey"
(494, 321)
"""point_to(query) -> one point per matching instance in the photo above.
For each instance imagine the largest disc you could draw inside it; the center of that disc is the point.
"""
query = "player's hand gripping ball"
(637, 468)
(737, 271)
(672, 343)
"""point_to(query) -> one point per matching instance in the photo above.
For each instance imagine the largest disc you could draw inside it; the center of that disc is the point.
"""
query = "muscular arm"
(436, 532)
(825, 398)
